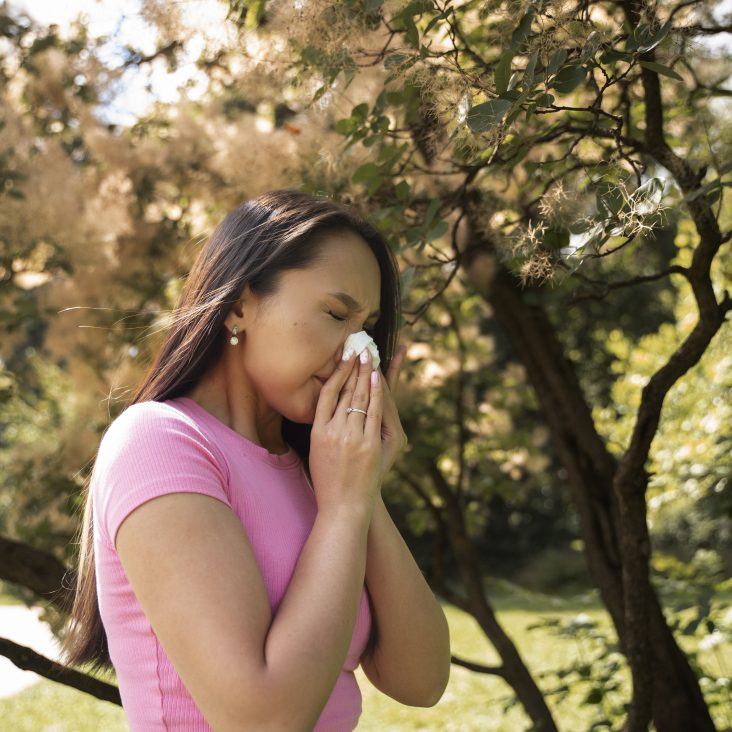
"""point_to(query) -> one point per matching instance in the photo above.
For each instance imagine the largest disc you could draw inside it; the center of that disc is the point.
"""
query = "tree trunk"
(678, 704)
(35, 569)
(513, 669)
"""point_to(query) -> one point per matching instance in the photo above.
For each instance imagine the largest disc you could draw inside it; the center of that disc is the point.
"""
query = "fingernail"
(375, 377)
(347, 354)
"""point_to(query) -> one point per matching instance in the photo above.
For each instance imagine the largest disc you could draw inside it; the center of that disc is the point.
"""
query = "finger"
(360, 398)
(346, 394)
(395, 368)
(330, 390)
(372, 428)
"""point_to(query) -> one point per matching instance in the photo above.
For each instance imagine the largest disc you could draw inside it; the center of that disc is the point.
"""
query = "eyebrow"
(349, 302)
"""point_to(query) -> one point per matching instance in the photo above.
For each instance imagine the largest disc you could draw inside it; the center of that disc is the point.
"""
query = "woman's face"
(285, 344)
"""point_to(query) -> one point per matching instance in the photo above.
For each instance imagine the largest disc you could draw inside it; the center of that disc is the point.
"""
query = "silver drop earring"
(234, 340)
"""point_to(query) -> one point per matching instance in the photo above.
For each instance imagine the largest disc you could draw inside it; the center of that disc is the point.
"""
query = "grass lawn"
(472, 701)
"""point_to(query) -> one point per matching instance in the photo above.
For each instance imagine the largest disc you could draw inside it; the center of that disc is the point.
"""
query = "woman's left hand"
(393, 437)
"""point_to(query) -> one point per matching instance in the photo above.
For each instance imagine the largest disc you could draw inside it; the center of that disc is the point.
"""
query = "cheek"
(307, 343)
(314, 335)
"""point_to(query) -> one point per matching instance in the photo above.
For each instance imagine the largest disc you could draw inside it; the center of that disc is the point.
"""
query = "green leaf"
(416, 7)
(436, 20)
(349, 72)
(522, 31)
(644, 39)
(437, 230)
(555, 239)
(503, 72)
(590, 46)
(255, 11)
(580, 226)
(390, 154)
(545, 100)
(365, 173)
(431, 211)
(511, 95)
(312, 56)
(517, 154)
(414, 234)
(569, 78)
(488, 115)
(646, 198)
(400, 61)
(412, 35)
(661, 69)
(529, 70)
(360, 112)
(374, 185)
(380, 124)
(713, 195)
(556, 61)
(344, 126)
(401, 190)
(612, 55)
(655, 39)
(515, 112)
(609, 198)
(593, 238)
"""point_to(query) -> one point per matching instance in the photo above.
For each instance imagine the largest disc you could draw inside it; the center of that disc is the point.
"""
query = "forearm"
(309, 637)
(411, 661)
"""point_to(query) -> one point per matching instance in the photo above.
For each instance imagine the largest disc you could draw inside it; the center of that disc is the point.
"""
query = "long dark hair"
(271, 234)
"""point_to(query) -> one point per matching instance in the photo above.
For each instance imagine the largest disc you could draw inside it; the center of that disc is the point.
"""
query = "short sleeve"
(149, 450)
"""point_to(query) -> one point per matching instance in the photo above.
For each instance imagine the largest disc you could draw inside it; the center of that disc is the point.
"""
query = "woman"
(238, 562)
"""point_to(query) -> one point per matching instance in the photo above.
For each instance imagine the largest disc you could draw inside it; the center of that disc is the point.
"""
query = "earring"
(234, 340)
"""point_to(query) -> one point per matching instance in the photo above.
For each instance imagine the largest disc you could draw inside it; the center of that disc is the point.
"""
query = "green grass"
(472, 702)
(50, 707)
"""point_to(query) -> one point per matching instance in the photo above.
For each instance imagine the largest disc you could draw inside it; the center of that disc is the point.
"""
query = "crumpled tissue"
(359, 341)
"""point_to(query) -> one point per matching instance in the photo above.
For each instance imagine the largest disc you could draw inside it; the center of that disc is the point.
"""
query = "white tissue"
(359, 341)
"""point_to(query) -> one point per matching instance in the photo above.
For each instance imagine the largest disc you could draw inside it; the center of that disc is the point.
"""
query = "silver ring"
(356, 409)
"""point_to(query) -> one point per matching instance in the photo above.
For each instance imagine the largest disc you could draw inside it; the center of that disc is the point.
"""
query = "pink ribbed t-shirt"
(153, 448)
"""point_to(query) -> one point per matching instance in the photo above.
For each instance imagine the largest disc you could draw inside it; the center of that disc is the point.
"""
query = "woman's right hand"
(345, 448)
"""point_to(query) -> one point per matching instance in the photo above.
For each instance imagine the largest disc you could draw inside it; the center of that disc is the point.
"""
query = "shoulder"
(150, 418)
(152, 449)
(156, 430)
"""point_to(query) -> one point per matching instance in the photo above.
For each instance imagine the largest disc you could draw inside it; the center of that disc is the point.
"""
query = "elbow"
(444, 670)
(432, 699)
(429, 697)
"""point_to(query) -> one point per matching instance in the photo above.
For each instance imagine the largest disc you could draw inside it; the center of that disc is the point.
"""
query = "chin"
(307, 414)
(306, 420)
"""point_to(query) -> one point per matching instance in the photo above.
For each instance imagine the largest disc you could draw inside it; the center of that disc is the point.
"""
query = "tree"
(483, 118)
(550, 148)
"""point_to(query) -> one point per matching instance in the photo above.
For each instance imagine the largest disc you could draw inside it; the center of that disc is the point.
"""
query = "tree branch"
(704, 30)
(479, 667)
(135, 58)
(631, 479)
(28, 660)
(605, 287)
(36, 570)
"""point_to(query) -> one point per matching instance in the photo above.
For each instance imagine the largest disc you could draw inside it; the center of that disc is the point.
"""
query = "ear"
(238, 309)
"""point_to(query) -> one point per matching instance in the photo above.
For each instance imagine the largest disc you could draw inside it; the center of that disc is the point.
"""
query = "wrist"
(360, 510)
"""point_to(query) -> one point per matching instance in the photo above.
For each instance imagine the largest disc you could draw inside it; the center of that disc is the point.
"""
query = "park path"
(20, 624)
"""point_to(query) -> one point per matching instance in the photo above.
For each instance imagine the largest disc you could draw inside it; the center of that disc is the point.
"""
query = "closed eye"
(368, 330)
